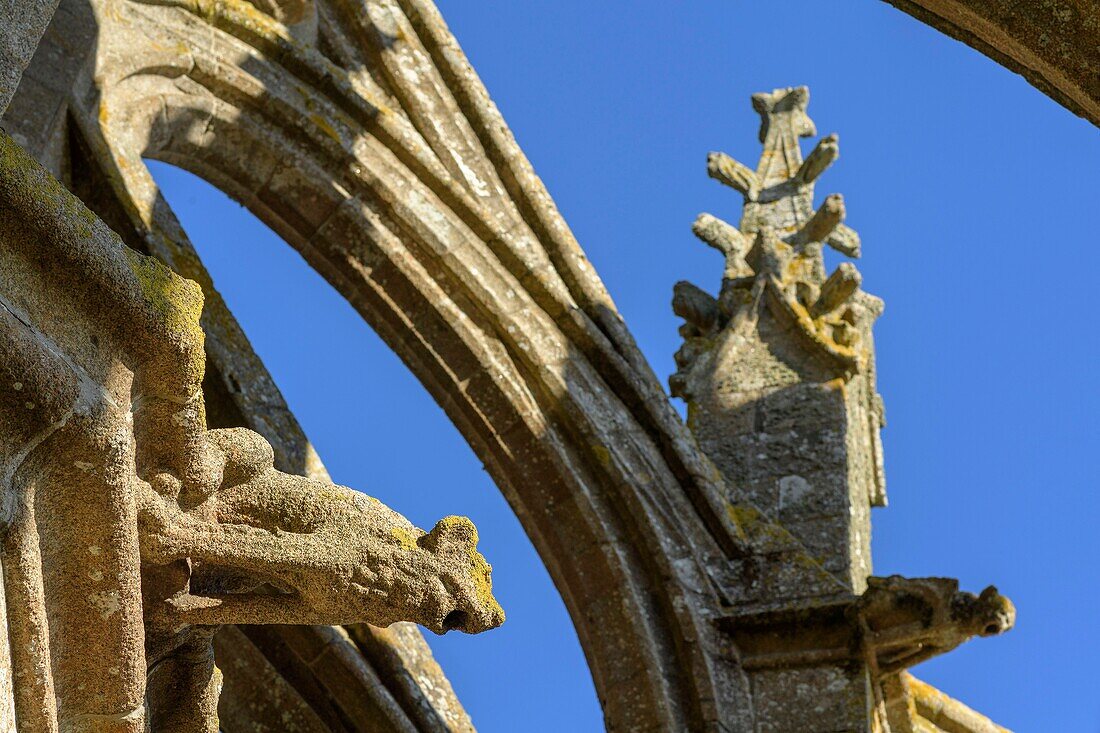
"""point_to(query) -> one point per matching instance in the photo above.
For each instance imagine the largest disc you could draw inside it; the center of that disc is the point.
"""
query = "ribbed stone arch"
(362, 136)
(1054, 45)
(403, 188)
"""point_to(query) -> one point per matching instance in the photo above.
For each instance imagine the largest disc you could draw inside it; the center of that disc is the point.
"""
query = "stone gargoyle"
(269, 547)
(909, 620)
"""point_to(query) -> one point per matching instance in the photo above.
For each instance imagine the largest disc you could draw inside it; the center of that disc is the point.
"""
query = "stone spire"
(778, 374)
(778, 370)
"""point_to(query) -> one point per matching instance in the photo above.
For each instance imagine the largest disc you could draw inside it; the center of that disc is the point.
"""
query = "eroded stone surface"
(778, 374)
(120, 507)
(366, 140)
(342, 557)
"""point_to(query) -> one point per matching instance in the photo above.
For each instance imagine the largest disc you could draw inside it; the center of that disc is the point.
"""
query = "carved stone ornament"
(175, 557)
(122, 509)
(778, 375)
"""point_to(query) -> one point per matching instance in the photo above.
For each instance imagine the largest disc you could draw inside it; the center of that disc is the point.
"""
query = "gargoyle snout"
(471, 607)
(999, 612)
(475, 620)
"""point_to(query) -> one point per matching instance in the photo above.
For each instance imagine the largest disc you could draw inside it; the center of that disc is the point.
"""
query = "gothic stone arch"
(360, 133)
(1051, 44)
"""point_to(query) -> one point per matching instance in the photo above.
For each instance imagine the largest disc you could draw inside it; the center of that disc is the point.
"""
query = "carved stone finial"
(783, 355)
(775, 256)
(779, 376)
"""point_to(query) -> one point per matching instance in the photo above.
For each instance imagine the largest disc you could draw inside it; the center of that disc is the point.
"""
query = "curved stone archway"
(1054, 45)
(441, 237)
(362, 136)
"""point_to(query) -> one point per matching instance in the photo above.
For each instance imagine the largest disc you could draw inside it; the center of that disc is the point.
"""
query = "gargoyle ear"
(449, 534)
(247, 454)
(989, 594)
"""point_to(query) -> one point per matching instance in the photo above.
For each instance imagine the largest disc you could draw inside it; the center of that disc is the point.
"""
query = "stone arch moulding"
(364, 138)
(1054, 45)
(360, 133)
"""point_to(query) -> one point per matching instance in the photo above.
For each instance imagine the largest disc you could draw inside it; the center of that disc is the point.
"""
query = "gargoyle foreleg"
(168, 534)
(246, 608)
(241, 547)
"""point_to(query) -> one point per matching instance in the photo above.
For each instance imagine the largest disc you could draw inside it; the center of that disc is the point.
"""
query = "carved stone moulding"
(359, 133)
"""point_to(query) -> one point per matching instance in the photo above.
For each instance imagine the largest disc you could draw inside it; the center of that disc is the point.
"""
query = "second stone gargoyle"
(269, 547)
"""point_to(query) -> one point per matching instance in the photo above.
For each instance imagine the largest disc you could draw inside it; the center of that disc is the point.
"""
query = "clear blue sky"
(976, 197)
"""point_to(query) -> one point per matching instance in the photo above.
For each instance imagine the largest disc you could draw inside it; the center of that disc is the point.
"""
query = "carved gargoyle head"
(987, 614)
(466, 577)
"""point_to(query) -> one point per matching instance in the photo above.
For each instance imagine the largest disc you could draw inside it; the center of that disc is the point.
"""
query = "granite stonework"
(175, 557)
(778, 370)
(122, 508)
(778, 373)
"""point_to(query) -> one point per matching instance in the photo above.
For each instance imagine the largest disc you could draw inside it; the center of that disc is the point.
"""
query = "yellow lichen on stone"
(755, 526)
(603, 455)
(404, 538)
(176, 300)
(331, 493)
(481, 575)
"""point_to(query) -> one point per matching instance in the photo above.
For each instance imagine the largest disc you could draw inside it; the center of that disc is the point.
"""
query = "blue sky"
(976, 198)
